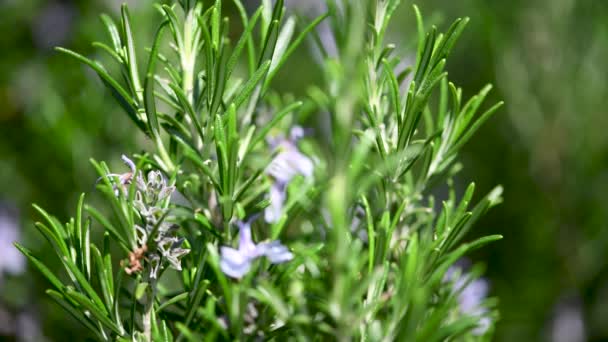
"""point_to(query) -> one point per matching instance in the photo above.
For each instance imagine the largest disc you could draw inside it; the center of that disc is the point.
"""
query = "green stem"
(164, 155)
(148, 309)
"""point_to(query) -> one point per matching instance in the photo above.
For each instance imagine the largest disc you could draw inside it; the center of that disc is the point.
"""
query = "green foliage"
(387, 151)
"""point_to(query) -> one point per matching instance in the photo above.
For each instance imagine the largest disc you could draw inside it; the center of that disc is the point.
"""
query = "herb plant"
(253, 216)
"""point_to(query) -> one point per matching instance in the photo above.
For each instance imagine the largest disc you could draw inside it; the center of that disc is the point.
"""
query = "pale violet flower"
(17, 323)
(314, 8)
(124, 179)
(53, 25)
(12, 261)
(22, 325)
(471, 295)
(236, 263)
(288, 163)
(568, 323)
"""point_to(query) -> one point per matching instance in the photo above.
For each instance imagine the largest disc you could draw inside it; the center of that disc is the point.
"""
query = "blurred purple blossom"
(314, 8)
(53, 25)
(11, 260)
(236, 262)
(23, 326)
(311, 9)
(471, 295)
(568, 324)
(288, 163)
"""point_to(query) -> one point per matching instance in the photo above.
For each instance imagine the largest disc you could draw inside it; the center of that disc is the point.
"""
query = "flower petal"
(129, 162)
(275, 252)
(273, 212)
(296, 133)
(301, 163)
(233, 263)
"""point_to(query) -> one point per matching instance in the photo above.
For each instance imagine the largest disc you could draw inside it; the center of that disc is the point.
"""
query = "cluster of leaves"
(206, 119)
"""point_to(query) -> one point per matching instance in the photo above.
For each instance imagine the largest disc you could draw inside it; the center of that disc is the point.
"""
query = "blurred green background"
(548, 146)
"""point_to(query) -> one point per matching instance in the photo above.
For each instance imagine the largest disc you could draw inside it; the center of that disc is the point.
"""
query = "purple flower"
(11, 260)
(288, 163)
(568, 322)
(53, 25)
(236, 262)
(314, 8)
(124, 179)
(471, 294)
(22, 325)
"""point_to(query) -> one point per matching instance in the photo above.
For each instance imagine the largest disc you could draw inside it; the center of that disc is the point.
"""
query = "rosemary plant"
(241, 221)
